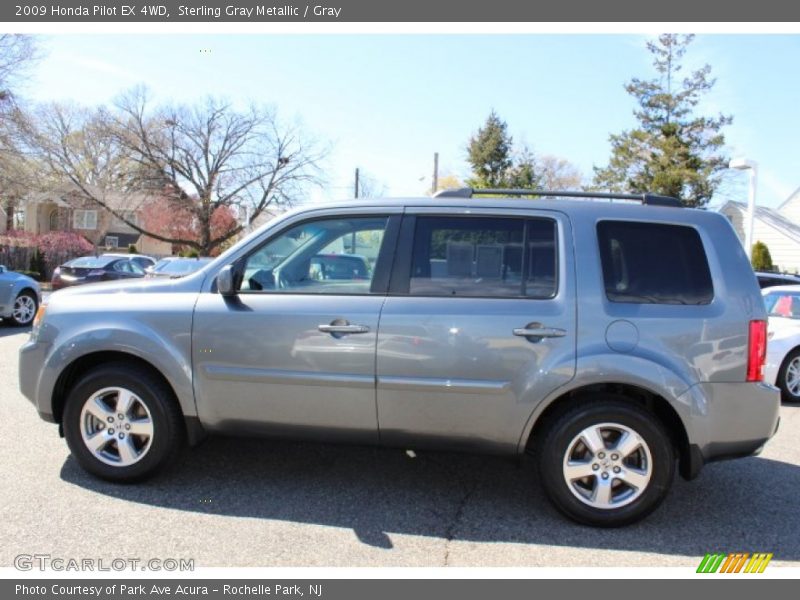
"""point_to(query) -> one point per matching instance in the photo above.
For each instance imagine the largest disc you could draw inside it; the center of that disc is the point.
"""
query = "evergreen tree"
(525, 172)
(672, 151)
(489, 154)
(761, 258)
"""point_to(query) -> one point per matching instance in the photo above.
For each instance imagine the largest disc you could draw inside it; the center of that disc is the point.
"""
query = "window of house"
(130, 215)
(112, 241)
(84, 219)
(484, 257)
(654, 263)
(53, 220)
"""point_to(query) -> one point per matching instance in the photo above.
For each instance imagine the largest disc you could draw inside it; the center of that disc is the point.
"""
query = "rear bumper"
(729, 420)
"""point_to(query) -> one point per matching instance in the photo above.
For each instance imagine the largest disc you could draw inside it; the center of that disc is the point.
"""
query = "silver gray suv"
(611, 337)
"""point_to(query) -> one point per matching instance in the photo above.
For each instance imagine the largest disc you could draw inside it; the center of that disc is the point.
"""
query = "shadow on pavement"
(745, 505)
(7, 329)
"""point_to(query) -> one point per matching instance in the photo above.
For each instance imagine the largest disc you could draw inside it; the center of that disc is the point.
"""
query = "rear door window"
(654, 263)
(491, 257)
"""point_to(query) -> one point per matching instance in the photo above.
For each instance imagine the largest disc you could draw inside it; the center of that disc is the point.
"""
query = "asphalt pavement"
(234, 502)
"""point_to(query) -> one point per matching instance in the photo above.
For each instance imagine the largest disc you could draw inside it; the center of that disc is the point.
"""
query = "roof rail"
(648, 199)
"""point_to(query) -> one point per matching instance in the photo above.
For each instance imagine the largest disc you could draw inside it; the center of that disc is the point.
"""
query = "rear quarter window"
(654, 263)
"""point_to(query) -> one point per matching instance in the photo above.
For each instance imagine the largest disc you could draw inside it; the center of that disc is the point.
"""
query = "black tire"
(552, 446)
(786, 393)
(168, 429)
(26, 321)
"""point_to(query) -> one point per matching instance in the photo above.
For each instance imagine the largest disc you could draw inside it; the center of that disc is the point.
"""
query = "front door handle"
(536, 332)
(340, 327)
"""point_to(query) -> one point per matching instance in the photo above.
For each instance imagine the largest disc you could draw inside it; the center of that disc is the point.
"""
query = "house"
(791, 207)
(778, 228)
(69, 210)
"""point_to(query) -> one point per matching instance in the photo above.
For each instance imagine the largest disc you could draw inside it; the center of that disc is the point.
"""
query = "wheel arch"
(72, 373)
(650, 400)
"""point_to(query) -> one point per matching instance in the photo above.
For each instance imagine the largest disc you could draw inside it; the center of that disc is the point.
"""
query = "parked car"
(767, 279)
(19, 297)
(91, 269)
(173, 267)
(783, 349)
(340, 266)
(581, 332)
(145, 262)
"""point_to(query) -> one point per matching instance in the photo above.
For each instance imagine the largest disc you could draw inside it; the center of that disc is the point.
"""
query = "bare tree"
(202, 159)
(558, 173)
(18, 171)
(369, 186)
(17, 54)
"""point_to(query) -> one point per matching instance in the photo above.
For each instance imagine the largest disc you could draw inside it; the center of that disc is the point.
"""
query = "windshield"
(783, 304)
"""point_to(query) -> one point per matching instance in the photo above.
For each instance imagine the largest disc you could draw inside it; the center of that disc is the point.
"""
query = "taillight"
(756, 350)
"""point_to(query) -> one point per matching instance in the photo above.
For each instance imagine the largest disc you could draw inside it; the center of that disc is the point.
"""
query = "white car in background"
(783, 346)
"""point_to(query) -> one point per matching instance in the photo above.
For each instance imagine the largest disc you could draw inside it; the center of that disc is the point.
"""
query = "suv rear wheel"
(122, 423)
(605, 462)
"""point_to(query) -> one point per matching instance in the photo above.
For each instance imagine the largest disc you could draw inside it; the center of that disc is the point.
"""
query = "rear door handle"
(342, 328)
(537, 330)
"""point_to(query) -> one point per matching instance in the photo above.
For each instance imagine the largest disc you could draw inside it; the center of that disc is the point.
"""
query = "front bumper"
(31, 360)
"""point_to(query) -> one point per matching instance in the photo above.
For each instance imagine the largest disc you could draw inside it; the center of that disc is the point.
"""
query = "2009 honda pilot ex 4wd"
(612, 340)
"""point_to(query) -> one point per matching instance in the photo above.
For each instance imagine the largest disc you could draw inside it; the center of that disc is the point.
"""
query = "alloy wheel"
(116, 426)
(607, 466)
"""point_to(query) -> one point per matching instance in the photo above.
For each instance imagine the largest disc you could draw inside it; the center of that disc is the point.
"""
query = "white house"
(791, 207)
(778, 228)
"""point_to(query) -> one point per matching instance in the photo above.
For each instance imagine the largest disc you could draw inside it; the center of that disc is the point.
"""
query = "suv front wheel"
(122, 423)
(605, 462)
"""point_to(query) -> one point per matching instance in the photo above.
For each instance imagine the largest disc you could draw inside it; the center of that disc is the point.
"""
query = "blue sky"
(387, 103)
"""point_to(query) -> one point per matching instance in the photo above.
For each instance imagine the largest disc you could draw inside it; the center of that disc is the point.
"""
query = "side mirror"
(225, 284)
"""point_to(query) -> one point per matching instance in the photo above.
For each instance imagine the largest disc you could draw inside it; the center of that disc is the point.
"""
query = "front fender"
(169, 355)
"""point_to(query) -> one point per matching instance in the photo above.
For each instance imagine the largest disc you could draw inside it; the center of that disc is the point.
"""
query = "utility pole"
(356, 185)
(435, 184)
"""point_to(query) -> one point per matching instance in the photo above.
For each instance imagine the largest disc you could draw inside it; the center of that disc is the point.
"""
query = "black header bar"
(441, 11)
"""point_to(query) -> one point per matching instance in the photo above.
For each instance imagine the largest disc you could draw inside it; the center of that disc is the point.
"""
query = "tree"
(489, 153)
(448, 181)
(201, 161)
(18, 173)
(557, 173)
(761, 259)
(495, 163)
(17, 54)
(369, 186)
(524, 172)
(672, 151)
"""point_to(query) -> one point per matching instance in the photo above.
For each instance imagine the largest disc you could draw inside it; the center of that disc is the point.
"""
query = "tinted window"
(653, 263)
(331, 256)
(484, 257)
(143, 262)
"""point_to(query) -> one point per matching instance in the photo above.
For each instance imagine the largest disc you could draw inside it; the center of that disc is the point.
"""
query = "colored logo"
(736, 562)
